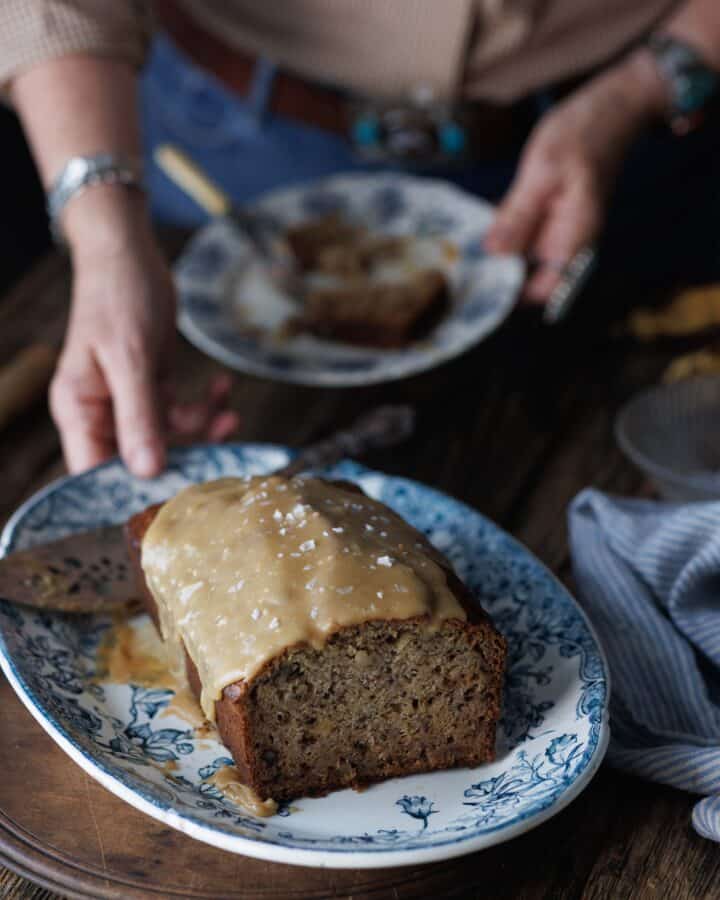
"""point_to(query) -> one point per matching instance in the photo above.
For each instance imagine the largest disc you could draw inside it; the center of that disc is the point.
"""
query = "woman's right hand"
(109, 392)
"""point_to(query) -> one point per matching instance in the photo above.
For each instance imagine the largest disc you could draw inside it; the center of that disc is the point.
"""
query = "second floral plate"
(232, 312)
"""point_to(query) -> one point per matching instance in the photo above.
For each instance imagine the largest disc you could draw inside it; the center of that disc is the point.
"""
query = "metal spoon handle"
(384, 426)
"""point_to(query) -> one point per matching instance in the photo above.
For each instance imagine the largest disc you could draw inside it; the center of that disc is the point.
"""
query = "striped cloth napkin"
(648, 575)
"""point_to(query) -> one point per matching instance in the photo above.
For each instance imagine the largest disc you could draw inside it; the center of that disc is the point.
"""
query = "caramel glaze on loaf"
(379, 700)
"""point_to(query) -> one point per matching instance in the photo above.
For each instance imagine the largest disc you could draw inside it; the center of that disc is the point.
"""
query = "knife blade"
(90, 572)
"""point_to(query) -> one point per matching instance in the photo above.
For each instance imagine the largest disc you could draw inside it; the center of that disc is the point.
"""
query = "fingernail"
(145, 462)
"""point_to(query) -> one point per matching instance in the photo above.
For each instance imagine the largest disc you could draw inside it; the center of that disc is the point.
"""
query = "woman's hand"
(111, 388)
(556, 204)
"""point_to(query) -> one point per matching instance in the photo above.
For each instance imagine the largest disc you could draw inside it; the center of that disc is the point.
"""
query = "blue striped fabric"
(648, 575)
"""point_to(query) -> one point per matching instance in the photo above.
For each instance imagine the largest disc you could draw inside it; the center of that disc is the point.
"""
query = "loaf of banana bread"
(331, 643)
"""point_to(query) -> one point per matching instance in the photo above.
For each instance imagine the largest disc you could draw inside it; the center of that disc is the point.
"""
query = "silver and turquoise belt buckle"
(407, 133)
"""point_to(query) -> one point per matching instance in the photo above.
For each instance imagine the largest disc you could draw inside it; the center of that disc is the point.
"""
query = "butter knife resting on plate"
(89, 571)
(270, 250)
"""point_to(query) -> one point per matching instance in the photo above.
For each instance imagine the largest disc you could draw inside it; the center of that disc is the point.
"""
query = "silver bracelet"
(80, 172)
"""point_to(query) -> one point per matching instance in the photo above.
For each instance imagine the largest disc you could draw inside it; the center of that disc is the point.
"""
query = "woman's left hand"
(556, 204)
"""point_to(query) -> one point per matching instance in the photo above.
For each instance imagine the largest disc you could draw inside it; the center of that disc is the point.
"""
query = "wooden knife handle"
(187, 175)
(24, 379)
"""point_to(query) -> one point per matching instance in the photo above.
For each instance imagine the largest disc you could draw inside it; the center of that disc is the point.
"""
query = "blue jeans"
(663, 224)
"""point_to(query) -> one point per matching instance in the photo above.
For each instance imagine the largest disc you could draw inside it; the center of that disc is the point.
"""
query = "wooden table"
(515, 428)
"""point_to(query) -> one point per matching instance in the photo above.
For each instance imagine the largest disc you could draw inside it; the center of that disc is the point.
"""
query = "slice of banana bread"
(380, 314)
(309, 240)
(378, 698)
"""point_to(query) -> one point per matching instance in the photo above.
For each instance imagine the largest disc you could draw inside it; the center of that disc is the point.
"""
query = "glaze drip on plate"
(242, 568)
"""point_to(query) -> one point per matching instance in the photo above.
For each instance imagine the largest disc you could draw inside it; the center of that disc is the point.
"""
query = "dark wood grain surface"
(516, 428)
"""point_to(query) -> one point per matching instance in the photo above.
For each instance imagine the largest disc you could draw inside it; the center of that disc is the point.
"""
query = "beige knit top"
(491, 49)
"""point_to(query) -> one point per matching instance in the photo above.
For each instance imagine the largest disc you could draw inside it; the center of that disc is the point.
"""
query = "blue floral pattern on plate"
(552, 737)
(234, 316)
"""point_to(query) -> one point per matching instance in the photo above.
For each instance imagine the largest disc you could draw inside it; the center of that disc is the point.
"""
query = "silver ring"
(574, 277)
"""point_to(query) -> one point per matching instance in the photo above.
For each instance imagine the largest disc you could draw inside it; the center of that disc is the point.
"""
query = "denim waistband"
(196, 105)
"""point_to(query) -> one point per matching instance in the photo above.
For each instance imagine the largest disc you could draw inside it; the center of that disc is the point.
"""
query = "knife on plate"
(269, 249)
(90, 571)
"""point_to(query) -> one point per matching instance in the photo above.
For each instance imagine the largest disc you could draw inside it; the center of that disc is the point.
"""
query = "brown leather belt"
(313, 104)
(292, 96)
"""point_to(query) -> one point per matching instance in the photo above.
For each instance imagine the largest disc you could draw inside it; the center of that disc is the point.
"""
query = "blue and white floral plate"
(551, 741)
(232, 312)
